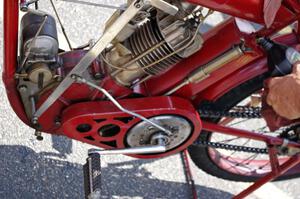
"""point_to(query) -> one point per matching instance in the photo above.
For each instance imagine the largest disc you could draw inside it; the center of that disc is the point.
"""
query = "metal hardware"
(97, 4)
(131, 151)
(33, 107)
(24, 6)
(143, 134)
(237, 112)
(33, 41)
(204, 71)
(38, 135)
(91, 55)
(151, 53)
(164, 6)
(188, 173)
(117, 104)
(247, 113)
(92, 177)
(61, 25)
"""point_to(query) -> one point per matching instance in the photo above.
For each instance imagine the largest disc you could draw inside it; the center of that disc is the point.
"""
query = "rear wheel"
(234, 165)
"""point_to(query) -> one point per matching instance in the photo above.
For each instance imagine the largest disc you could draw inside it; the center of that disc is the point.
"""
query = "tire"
(200, 155)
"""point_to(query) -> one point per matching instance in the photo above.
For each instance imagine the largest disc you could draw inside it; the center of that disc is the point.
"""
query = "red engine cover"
(84, 120)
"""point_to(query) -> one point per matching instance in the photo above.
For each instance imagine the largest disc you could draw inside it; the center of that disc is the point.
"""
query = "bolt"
(22, 88)
(38, 135)
(73, 76)
(150, 128)
(57, 122)
(137, 4)
(24, 7)
(98, 76)
(35, 120)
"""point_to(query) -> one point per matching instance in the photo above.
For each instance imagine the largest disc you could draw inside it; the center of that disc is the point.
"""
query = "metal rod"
(164, 6)
(61, 25)
(204, 71)
(128, 151)
(117, 104)
(292, 162)
(33, 108)
(96, 4)
(91, 55)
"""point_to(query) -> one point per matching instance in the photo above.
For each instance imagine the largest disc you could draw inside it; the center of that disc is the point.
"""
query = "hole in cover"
(109, 130)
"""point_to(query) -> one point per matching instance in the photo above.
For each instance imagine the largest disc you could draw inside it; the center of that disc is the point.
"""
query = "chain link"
(240, 112)
(230, 147)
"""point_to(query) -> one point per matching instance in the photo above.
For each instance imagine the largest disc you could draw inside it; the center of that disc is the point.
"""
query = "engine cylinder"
(145, 38)
(157, 44)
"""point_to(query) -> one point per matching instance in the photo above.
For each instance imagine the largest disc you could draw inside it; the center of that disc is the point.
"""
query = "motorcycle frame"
(219, 82)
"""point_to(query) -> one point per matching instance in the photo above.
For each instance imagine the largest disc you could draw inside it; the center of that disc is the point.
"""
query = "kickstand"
(188, 174)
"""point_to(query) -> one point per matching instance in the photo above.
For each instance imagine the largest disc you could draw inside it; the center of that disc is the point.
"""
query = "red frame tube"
(251, 10)
(272, 143)
(10, 30)
(208, 126)
(292, 162)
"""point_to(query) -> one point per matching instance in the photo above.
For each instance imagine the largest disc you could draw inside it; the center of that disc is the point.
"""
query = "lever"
(158, 147)
(133, 150)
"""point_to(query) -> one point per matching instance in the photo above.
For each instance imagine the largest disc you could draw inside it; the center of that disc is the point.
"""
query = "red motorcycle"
(153, 85)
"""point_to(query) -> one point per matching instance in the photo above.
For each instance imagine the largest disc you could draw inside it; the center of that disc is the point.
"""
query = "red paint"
(10, 31)
(174, 76)
(292, 162)
(77, 104)
(250, 10)
(211, 127)
(100, 114)
(77, 92)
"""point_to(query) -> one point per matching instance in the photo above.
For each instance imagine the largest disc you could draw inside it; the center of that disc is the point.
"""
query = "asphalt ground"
(53, 168)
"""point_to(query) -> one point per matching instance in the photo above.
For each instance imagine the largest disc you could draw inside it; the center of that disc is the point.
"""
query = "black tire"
(200, 155)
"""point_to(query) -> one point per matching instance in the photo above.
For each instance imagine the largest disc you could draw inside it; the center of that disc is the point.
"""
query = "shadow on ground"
(26, 174)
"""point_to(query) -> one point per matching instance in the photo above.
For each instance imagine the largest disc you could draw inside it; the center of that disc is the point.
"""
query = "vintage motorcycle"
(153, 85)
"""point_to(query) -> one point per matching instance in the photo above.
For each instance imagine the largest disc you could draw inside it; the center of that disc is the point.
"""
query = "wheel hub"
(143, 134)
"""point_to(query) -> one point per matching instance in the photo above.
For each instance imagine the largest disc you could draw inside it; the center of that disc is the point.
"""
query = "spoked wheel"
(229, 157)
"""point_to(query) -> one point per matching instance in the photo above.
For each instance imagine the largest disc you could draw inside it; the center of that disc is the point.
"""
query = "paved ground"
(52, 168)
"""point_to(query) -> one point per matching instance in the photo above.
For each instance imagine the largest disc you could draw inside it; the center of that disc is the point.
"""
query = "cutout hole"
(124, 119)
(99, 120)
(89, 138)
(109, 130)
(84, 128)
(111, 143)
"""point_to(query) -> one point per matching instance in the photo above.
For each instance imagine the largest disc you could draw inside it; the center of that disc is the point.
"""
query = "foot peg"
(92, 177)
(92, 168)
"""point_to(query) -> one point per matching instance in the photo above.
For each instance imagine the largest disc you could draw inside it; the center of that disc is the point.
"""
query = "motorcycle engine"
(149, 45)
(152, 43)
